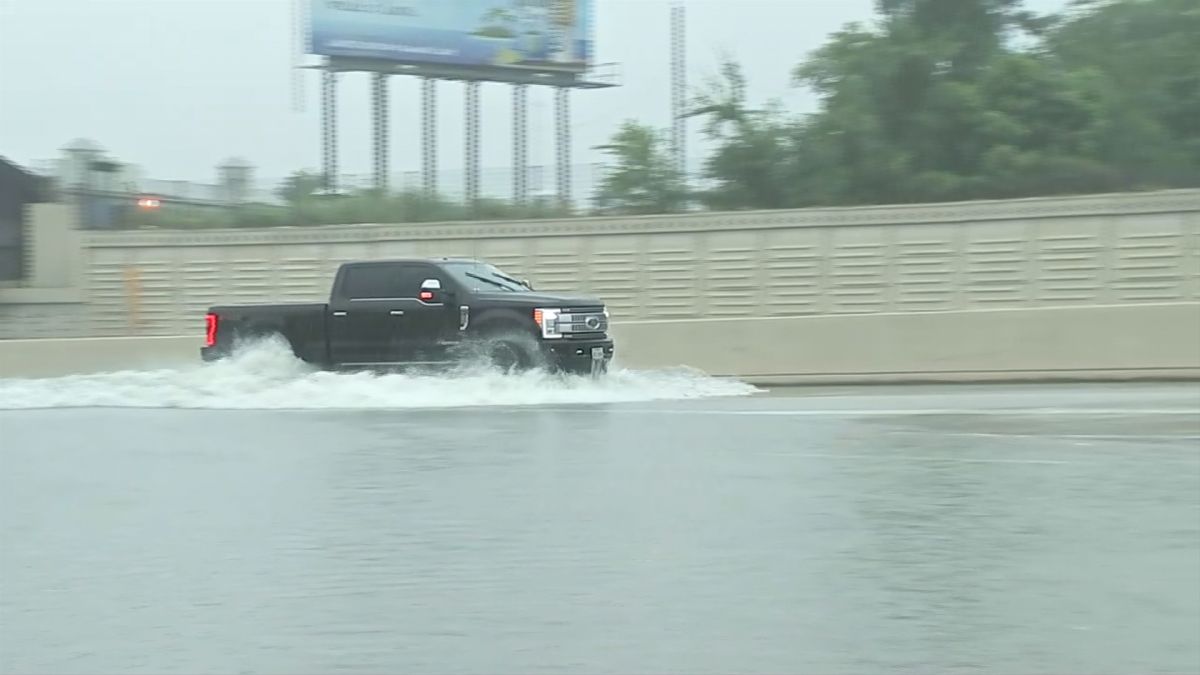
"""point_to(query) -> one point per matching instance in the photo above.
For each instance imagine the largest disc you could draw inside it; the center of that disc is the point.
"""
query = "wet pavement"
(998, 529)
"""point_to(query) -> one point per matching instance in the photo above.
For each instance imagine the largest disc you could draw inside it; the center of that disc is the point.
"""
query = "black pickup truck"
(390, 314)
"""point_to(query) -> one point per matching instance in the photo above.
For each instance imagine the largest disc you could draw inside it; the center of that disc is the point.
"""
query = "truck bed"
(303, 324)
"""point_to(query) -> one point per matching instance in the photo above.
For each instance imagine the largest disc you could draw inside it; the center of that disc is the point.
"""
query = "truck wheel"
(512, 352)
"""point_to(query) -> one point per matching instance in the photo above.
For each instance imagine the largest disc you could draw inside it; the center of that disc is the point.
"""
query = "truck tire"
(512, 352)
(505, 346)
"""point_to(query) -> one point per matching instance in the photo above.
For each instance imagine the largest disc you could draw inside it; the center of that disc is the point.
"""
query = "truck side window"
(371, 281)
(411, 277)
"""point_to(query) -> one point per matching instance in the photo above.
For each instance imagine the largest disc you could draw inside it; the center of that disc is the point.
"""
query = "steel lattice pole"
(429, 136)
(679, 89)
(520, 144)
(380, 135)
(329, 140)
(472, 145)
(562, 114)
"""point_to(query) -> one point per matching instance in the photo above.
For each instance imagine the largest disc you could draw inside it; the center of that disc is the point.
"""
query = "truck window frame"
(399, 270)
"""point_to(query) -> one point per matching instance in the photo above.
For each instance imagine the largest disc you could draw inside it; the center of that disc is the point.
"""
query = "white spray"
(267, 376)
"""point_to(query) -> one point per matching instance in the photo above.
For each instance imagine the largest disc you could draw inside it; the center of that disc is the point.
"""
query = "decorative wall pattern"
(1096, 250)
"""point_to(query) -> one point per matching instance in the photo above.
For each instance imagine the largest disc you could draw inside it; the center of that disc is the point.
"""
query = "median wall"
(1091, 286)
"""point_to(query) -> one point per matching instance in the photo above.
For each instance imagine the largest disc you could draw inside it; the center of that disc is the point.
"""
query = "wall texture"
(1072, 343)
(49, 301)
(1107, 283)
(18, 189)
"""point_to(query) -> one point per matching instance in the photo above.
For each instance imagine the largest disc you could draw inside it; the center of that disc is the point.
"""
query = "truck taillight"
(210, 330)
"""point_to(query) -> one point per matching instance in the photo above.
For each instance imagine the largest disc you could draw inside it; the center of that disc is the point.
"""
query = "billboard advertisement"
(531, 34)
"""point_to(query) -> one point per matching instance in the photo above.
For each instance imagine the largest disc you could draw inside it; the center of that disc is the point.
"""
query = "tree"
(966, 99)
(644, 179)
(920, 110)
(299, 186)
(963, 35)
(750, 164)
(1146, 52)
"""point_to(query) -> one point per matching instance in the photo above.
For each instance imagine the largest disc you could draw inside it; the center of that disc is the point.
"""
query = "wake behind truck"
(390, 314)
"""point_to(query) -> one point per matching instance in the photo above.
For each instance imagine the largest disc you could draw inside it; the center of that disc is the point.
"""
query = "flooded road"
(704, 529)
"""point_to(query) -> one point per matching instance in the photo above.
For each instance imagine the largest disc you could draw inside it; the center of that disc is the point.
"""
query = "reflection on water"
(587, 540)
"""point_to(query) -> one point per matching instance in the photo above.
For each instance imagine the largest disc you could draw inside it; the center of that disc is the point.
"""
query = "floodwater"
(255, 517)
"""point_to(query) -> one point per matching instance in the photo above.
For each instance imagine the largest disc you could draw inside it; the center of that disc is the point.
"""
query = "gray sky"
(177, 86)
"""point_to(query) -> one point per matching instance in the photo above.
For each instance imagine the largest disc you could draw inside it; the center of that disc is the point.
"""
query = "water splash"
(266, 376)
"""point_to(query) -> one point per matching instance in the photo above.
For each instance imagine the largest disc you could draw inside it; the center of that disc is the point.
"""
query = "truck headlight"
(547, 320)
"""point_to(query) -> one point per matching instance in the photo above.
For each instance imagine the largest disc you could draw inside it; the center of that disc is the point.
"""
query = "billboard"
(528, 34)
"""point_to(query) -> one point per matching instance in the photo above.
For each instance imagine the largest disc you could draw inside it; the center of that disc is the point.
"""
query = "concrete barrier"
(1094, 286)
(1134, 341)
(55, 357)
(1159, 341)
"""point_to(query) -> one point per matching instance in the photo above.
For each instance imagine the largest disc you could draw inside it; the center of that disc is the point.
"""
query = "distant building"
(18, 189)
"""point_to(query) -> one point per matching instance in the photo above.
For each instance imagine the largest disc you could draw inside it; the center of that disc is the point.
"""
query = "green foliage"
(1147, 54)
(755, 153)
(967, 99)
(308, 207)
(938, 100)
(299, 186)
(643, 179)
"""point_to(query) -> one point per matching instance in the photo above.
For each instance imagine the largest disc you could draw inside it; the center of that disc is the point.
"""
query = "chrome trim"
(397, 312)
(579, 321)
(416, 300)
(464, 317)
(339, 313)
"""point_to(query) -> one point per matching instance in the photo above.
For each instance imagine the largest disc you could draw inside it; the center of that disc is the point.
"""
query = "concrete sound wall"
(1108, 343)
(1104, 285)
(1127, 342)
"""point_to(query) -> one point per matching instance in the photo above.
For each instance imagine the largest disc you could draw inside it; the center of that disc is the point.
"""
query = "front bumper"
(577, 356)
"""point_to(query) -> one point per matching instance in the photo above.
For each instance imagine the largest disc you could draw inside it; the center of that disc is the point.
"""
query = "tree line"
(945, 100)
(933, 100)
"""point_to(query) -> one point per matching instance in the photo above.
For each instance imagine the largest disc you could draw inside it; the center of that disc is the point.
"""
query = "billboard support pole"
(379, 129)
(429, 136)
(562, 126)
(520, 144)
(457, 46)
(472, 145)
(329, 149)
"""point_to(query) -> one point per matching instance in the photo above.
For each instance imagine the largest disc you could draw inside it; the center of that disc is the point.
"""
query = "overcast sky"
(177, 86)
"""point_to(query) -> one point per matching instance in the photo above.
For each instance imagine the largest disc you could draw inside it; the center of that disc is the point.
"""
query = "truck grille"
(583, 322)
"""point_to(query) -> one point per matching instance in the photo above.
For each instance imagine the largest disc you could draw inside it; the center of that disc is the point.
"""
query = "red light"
(210, 332)
(426, 295)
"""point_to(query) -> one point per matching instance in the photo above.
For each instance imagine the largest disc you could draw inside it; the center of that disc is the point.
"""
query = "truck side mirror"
(431, 291)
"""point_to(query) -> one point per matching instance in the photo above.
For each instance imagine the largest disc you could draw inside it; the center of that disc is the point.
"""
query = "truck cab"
(393, 313)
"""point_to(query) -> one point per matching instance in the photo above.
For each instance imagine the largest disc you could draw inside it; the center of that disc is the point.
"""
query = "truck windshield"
(481, 275)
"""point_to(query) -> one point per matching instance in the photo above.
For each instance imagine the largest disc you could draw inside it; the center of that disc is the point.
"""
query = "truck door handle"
(339, 314)
(397, 312)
